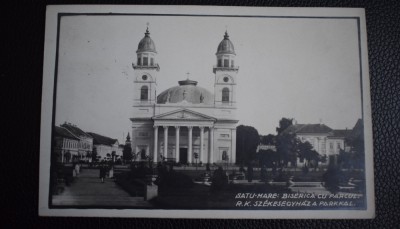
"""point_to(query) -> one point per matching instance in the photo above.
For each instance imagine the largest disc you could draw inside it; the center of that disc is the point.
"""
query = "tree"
(286, 146)
(94, 154)
(247, 140)
(269, 139)
(127, 153)
(113, 154)
(283, 124)
(286, 143)
(268, 158)
(358, 155)
(307, 152)
(345, 159)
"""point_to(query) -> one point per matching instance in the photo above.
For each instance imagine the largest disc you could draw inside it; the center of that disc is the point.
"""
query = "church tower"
(225, 74)
(128, 140)
(145, 82)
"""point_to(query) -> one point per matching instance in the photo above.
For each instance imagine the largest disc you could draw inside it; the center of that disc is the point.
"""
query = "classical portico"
(205, 155)
(187, 121)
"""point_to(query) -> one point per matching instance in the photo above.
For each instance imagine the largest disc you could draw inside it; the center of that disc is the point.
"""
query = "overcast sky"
(307, 69)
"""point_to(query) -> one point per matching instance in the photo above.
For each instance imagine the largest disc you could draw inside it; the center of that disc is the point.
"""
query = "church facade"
(185, 123)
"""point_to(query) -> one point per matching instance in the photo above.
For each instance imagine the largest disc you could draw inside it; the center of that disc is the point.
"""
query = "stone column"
(177, 143)
(233, 158)
(202, 156)
(155, 154)
(62, 151)
(165, 141)
(211, 144)
(190, 128)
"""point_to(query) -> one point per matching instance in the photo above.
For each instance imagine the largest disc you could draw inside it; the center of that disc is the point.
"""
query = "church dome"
(186, 91)
(226, 46)
(146, 44)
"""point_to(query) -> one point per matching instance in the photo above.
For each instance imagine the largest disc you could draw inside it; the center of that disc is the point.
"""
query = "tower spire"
(226, 36)
(147, 33)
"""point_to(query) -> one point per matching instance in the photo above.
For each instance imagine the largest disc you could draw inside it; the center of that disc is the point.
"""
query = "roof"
(146, 44)
(341, 133)
(102, 140)
(292, 129)
(75, 130)
(184, 114)
(186, 91)
(358, 130)
(307, 129)
(226, 46)
(62, 132)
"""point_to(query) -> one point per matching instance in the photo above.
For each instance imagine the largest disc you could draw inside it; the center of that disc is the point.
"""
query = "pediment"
(184, 114)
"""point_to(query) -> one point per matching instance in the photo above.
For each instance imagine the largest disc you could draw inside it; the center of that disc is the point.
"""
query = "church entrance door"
(183, 155)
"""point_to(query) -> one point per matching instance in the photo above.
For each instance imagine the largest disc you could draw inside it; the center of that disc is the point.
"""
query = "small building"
(85, 145)
(65, 145)
(325, 140)
(105, 147)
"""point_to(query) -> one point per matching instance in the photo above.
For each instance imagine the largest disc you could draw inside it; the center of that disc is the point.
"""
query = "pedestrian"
(111, 172)
(73, 170)
(102, 173)
(77, 168)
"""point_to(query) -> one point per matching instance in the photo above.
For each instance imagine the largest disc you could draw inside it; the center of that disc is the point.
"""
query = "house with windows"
(66, 145)
(85, 145)
(186, 122)
(325, 140)
(106, 148)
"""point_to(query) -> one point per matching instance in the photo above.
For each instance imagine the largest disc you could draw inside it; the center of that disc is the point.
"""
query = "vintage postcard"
(206, 112)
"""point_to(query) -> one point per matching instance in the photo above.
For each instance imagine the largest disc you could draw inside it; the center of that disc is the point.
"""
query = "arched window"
(219, 63)
(144, 93)
(226, 63)
(225, 95)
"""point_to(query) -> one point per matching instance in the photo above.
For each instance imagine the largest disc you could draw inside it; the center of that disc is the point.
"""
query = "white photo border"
(49, 92)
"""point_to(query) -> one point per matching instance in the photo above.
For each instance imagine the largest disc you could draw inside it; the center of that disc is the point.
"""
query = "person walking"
(74, 170)
(111, 172)
(77, 169)
(102, 173)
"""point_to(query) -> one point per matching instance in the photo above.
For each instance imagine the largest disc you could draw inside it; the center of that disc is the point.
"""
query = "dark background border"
(23, 26)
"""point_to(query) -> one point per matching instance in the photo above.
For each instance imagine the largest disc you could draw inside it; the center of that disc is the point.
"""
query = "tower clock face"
(144, 77)
(226, 79)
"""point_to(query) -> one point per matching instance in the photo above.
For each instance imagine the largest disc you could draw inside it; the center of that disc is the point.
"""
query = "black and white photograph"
(206, 112)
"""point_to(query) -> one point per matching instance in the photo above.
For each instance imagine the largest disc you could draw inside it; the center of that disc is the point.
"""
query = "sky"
(307, 69)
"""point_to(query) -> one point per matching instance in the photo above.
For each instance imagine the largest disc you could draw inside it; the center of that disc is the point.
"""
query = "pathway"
(87, 190)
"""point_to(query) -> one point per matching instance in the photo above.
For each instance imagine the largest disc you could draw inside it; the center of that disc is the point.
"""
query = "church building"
(185, 123)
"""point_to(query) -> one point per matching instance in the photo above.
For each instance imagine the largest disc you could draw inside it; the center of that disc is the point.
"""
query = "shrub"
(172, 180)
(219, 180)
(332, 179)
